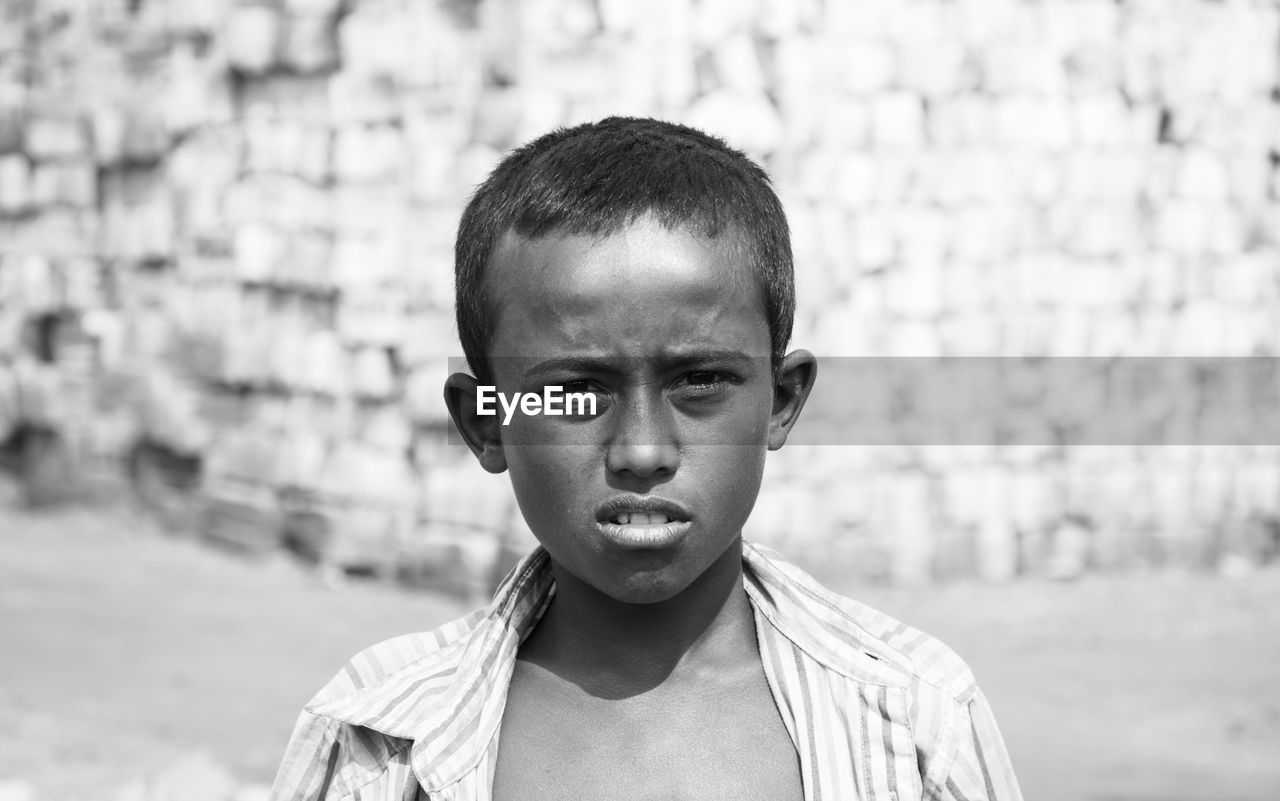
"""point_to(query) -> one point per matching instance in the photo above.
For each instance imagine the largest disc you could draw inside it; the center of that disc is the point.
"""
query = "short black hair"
(595, 179)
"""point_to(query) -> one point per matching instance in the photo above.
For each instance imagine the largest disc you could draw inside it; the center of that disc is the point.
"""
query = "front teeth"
(641, 519)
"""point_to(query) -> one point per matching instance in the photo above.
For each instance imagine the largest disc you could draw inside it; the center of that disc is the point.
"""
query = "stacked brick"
(1034, 179)
(50, 231)
(237, 218)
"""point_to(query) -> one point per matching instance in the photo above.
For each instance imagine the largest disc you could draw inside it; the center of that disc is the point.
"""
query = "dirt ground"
(121, 648)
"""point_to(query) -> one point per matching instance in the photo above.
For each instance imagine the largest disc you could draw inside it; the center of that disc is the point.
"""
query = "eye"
(703, 384)
(589, 398)
(704, 378)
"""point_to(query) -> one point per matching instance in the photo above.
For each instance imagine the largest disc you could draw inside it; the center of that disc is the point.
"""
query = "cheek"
(548, 478)
(732, 475)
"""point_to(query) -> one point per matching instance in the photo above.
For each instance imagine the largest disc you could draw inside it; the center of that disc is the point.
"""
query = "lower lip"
(639, 537)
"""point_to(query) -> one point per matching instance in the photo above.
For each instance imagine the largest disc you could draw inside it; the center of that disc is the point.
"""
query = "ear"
(792, 383)
(481, 432)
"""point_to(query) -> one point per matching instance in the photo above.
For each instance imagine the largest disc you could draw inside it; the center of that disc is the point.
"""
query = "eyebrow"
(672, 359)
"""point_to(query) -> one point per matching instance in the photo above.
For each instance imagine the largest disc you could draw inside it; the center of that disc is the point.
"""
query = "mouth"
(639, 521)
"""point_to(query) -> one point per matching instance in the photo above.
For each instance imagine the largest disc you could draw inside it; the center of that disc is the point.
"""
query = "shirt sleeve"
(309, 762)
(980, 768)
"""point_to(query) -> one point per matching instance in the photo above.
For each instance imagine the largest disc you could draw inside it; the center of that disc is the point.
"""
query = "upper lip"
(647, 504)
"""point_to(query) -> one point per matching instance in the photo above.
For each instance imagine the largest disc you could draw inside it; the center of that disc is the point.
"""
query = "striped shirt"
(875, 708)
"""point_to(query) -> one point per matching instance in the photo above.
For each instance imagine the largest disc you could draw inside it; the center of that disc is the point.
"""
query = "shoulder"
(349, 735)
(856, 640)
(871, 654)
(923, 660)
(409, 702)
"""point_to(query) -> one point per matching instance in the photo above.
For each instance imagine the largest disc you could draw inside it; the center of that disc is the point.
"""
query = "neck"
(613, 649)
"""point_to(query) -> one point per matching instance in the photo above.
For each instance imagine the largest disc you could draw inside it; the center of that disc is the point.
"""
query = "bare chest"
(725, 743)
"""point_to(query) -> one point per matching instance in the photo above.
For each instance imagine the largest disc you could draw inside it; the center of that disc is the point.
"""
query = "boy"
(644, 650)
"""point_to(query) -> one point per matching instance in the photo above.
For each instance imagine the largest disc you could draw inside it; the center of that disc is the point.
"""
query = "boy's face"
(671, 336)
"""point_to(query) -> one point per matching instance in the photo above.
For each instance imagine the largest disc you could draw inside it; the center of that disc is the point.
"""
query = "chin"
(646, 589)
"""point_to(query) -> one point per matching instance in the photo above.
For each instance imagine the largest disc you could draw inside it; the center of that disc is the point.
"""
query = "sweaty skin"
(643, 679)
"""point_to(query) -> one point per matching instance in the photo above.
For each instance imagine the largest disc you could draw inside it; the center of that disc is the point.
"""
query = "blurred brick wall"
(226, 228)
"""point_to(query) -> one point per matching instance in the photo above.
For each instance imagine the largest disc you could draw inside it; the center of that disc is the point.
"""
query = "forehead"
(627, 288)
(649, 244)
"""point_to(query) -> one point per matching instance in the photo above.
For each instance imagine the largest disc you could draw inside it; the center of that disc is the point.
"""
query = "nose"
(644, 442)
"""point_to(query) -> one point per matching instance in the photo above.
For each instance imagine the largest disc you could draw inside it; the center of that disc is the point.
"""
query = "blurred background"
(226, 233)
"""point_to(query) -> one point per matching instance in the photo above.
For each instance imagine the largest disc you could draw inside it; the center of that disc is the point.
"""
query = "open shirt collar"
(450, 702)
